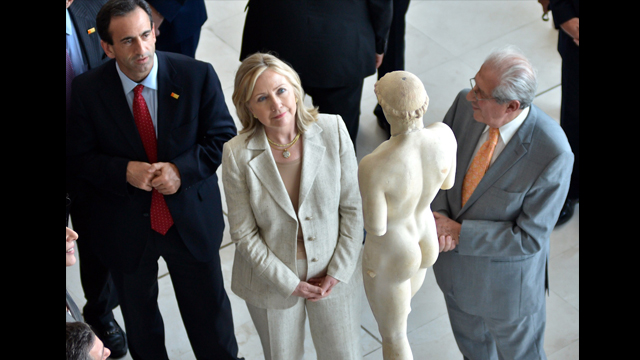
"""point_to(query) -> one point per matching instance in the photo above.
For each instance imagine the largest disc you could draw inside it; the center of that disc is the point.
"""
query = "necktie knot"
(137, 91)
(494, 133)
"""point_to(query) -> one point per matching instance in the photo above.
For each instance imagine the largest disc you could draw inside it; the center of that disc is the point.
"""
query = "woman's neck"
(281, 136)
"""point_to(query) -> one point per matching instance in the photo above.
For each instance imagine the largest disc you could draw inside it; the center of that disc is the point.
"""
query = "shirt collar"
(151, 81)
(509, 129)
(68, 23)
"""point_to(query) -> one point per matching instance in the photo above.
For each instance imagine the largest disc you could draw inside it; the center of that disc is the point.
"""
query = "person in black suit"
(83, 46)
(333, 45)
(178, 24)
(566, 18)
(122, 178)
(394, 57)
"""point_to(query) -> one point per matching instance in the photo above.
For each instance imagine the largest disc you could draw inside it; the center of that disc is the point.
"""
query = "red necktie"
(161, 219)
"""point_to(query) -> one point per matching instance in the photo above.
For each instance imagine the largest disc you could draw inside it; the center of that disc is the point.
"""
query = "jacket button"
(311, 238)
(309, 218)
(314, 260)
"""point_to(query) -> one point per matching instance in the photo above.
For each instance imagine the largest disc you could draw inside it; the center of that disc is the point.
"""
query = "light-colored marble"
(446, 43)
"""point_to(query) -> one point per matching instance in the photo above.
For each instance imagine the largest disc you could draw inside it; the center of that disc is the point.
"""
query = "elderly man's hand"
(448, 232)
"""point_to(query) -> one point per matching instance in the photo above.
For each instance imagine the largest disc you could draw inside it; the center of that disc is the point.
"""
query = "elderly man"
(493, 226)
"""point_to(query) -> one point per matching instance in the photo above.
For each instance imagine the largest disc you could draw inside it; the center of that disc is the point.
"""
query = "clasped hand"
(161, 176)
(448, 232)
(316, 288)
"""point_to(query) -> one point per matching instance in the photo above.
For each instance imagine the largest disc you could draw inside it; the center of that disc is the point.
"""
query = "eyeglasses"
(472, 81)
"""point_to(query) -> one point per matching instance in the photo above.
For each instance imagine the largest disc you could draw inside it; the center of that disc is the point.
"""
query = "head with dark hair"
(128, 36)
(117, 8)
(83, 344)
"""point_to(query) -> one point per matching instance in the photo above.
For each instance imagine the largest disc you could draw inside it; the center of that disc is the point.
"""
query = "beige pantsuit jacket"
(263, 223)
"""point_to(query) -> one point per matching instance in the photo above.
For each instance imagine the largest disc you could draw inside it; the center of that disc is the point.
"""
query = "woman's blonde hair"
(248, 73)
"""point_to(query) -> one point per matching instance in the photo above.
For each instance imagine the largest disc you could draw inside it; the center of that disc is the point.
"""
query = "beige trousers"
(334, 322)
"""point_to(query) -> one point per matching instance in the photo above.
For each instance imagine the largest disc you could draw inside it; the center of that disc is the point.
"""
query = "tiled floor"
(447, 42)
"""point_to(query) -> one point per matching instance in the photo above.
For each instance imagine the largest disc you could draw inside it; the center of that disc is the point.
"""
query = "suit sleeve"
(245, 233)
(527, 233)
(563, 10)
(381, 14)
(215, 127)
(167, 8)
(85, 157)
(350, 233)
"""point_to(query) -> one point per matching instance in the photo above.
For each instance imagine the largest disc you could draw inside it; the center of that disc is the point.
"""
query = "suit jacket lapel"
(116, 104)
(82, 17)
(264, 167)
(167, 105)
(312, 155)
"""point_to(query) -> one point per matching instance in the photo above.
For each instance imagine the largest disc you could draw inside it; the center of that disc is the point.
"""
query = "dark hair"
(114, 8)
(80, 340)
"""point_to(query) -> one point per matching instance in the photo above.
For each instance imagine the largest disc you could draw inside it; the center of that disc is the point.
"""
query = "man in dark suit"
(178, 24)
(394, 56)
(144, 141)
(85, 53)
(566, 18)
(332, 44)
(494, 225)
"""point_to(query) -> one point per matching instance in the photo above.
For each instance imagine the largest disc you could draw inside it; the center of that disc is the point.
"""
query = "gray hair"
(518, 78)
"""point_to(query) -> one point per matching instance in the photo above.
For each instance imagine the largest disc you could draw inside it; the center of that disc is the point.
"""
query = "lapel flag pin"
(174, 95)
(91, 31)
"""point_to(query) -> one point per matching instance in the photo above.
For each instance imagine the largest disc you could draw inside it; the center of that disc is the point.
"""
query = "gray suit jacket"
(498, 270)
(263, 223)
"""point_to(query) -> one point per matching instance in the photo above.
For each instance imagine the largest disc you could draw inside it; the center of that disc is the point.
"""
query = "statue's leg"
(390, 302)
(417, 280)
(429, 247)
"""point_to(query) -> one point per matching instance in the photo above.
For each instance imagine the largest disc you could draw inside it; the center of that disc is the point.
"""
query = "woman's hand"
(317, 288)
(326, 283)
(308, 291)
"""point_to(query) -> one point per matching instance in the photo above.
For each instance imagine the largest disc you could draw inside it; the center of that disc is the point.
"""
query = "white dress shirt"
(506, 133)
(149, 93)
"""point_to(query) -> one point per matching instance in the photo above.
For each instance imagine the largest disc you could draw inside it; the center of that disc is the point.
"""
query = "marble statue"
(398, 181)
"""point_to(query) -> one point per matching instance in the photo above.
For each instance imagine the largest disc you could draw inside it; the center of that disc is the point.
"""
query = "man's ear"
(108, 49)
(513, 105)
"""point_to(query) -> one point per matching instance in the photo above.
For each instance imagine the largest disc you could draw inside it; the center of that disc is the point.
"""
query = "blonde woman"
(295, 215)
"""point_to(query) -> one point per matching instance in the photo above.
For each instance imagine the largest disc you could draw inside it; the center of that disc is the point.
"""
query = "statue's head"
(402, 97)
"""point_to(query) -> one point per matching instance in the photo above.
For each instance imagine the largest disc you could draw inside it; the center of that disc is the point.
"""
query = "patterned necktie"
(479, 165)
(70, 76)
(161, 219)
